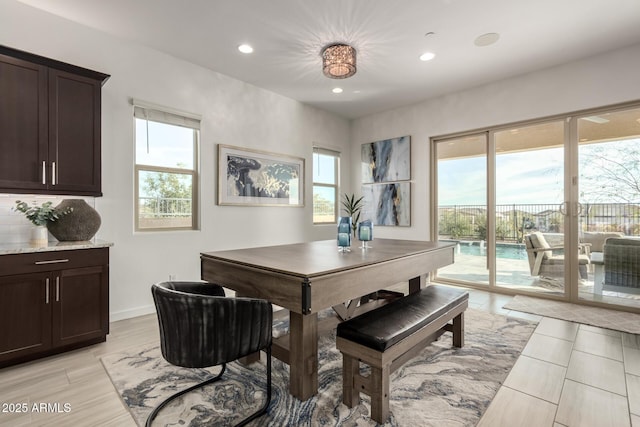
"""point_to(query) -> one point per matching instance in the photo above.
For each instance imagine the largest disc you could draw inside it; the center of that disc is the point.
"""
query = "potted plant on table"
(39, 217)
(352, 207)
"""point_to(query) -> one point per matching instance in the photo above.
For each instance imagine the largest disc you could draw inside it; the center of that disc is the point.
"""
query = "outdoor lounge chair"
(544, 263)
(622, 265)
(596, 239)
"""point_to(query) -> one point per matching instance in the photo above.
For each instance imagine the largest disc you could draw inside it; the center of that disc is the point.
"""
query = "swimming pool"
(503, 250)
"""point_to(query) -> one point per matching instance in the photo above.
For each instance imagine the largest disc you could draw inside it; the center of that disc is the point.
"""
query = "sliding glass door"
(551, 207)
(529, 211)
(500, 198)
(462, 205)
(609, 194)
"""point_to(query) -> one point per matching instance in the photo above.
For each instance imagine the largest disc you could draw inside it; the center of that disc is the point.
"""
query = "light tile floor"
(567, 375)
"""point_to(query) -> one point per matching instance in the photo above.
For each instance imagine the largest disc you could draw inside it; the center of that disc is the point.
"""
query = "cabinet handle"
(44, 172)
(53, 173)
(46, 291)
(57, 288)
(53, 261)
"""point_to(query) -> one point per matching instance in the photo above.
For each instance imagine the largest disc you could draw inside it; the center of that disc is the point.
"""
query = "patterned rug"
(443, 386)
(594, 316)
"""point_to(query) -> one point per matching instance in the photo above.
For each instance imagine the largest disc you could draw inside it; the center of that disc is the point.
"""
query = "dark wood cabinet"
(52, 302)
(25, 315)
(50, 125)
(23, 124)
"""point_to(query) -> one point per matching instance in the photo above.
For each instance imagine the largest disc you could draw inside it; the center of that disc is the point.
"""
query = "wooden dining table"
(306, 278)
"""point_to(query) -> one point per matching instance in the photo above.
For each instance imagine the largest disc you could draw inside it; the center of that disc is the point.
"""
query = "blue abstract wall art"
(388, 204)
(387, 160)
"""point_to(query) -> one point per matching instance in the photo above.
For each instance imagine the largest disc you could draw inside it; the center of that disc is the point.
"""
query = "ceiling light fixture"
(339, 61)
(245, 48)
(427, 56)
(336, 90)
(486, 39)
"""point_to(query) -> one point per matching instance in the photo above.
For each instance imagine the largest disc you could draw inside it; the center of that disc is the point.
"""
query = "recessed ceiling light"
(427, 56)
(486, 39)
(245, 48)
(596, 119)
(337, 90)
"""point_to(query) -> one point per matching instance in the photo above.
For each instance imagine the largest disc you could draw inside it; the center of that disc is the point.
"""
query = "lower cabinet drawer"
(52, 261)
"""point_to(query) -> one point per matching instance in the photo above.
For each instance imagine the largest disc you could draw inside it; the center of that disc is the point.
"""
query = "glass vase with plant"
(352, 207)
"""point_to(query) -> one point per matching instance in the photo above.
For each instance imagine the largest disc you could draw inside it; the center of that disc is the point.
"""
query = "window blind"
(153, 113)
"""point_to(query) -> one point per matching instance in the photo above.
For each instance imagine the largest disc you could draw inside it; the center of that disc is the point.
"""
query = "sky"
(166, 145)
(528, 177)
(521, 178)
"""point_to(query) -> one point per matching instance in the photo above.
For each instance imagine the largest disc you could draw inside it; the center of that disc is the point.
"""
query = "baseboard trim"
(128, 314)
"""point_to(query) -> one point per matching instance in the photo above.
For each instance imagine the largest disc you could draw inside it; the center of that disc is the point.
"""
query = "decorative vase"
(344, 233)
(39, 236)
(365, 233)
(82, 223)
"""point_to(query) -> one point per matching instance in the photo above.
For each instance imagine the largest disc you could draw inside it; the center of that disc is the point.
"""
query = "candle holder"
(365, 233)
(344, 234)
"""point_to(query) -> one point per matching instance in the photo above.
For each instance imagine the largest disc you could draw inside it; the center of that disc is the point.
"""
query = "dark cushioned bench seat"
(385, 338)
(385, 326)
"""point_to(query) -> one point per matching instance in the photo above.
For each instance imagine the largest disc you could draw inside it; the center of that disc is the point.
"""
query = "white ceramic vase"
(39, 236)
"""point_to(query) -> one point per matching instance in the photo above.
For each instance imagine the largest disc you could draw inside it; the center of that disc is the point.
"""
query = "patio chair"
(596, 239)
(544, 263)
(622, 265)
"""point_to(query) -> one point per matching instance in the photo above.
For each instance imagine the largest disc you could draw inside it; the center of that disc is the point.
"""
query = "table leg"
(303, 355)
(417, 283)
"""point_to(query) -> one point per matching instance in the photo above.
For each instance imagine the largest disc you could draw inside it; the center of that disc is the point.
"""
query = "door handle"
(44, 172)
(46, 291)
(57, 288)
(563, 208)
(53, 173)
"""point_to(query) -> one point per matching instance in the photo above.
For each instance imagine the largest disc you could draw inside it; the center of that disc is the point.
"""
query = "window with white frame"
(326, 170)
(166, 169)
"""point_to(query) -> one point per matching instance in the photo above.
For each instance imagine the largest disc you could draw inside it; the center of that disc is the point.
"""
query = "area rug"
(442, 386)
(594, 316)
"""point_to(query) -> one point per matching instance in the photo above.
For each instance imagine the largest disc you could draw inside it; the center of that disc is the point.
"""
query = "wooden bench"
(385, 338)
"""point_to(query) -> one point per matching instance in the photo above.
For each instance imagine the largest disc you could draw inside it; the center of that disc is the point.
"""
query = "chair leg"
(164, 403)
(263, 409)
(258, 413)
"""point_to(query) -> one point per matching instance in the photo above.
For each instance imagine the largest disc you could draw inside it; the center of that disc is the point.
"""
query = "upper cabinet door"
(23, 125)
(74, 133)
(49, 126)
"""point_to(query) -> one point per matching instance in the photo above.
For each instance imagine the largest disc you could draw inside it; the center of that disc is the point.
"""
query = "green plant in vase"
(352, 207)
(40, 215)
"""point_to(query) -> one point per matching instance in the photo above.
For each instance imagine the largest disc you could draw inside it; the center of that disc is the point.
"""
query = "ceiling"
(389, 36)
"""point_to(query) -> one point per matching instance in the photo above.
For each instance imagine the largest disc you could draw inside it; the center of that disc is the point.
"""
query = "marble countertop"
(23, 248)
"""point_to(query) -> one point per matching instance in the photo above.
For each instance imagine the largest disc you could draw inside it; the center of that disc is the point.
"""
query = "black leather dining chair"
(200, 328)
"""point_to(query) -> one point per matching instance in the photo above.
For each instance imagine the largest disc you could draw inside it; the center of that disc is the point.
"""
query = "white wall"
(233, 112)
(594, 82)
